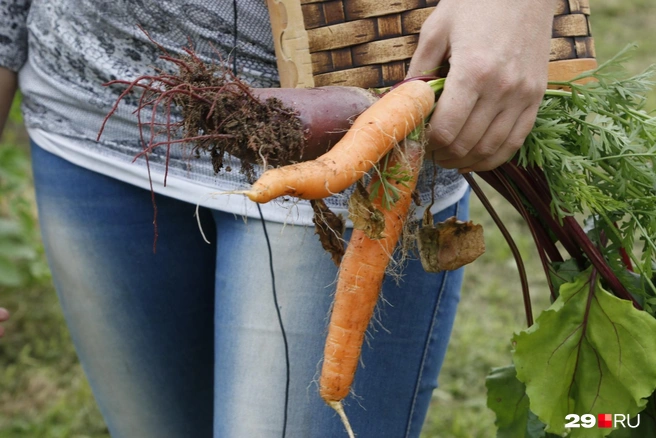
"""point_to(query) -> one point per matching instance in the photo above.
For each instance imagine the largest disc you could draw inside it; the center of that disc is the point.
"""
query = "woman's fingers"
(492, 137)
(498, 54)
(431, 51)
(460, 147)
(463, 136)
(4, 315)
(510, 146)
(456, 106)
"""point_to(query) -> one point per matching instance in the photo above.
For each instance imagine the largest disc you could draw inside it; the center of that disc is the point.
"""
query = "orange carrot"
(373, 134)
(358, 286)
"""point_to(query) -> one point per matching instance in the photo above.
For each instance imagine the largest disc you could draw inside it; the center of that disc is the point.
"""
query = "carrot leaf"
(388, 179)
(596, 147)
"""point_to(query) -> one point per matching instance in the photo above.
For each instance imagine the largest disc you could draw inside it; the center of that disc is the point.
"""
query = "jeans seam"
(428, 340)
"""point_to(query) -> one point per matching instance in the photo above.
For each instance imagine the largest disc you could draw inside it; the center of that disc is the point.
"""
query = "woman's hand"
(4, 315)
(8, 83)
(498, 51)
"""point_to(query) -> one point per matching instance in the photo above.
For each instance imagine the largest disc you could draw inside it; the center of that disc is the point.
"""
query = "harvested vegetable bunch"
(591, 153)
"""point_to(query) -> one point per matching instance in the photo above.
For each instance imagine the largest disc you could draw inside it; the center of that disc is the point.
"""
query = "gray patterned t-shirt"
(65, 50)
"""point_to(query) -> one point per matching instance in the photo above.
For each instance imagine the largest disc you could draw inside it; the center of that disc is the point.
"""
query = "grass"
(43, 392)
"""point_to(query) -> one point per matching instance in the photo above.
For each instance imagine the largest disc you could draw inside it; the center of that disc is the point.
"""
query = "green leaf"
(589, 353)
(506, 397)
(564, 272)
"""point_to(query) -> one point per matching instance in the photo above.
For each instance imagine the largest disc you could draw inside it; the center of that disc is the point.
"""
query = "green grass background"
(43, 391)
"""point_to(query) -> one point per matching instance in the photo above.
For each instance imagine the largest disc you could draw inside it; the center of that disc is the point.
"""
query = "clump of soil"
(330, 228)
(449, 245)
(219, 112)
(230, 119)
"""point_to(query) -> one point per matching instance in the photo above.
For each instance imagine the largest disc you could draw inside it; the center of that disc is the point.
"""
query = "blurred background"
(43, 392)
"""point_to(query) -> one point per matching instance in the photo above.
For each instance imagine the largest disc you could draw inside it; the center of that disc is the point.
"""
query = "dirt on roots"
(219, 115)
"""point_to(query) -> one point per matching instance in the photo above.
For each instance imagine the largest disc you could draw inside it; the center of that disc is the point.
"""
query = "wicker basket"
(369, 43)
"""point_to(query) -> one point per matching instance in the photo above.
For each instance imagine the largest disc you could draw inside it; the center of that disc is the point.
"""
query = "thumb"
(431, 51)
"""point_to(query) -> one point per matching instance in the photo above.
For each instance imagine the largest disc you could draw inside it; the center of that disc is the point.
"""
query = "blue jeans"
(185, 343)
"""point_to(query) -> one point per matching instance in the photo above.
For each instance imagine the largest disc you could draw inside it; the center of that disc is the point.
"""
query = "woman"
(186, 342)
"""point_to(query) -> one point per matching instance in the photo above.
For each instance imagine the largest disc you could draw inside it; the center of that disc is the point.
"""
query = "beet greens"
(585, 183)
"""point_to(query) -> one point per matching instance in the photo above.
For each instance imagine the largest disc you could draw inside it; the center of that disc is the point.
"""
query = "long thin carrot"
(373, 134)
(359, 283)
